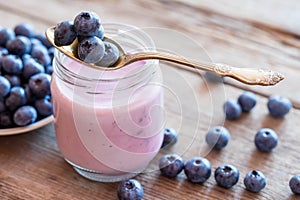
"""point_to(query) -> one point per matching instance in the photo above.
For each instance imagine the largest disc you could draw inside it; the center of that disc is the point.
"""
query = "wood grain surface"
(242, 33)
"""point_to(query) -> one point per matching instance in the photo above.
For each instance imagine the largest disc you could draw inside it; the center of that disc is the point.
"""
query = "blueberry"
(16, 98)
(49, 69)
(6, 119)
(232, 109)
(130, 190)
(255, 181)
(40, 53)
(171, 165)
(91, 50)
(4, 86)
(170, 137)
(247, 100)
(44, 106)
(35, 42)
(12, 64)
(42, 37)
(197, 170)
(19, 45)
(3, 51)
(25, 115)
(279, 106)
(30, 98)
(294, 184)
(87, 24)
(111, 55)
(2, 106)
(6, 35)
(14, 80)
(24, 29)
(31, 67)
(217, 137)
(64, 33)
(39, 84)
(266, 139)
(226, 175)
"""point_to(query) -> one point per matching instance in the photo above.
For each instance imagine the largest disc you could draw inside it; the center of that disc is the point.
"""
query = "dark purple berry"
(42, 37)
(12, 64)
(31, 67)
(24, 29)
(279, 106)
(217, 137)
(266, 139)
(87, 24)
(294, 184)
(39, 84)
(2, 106)
(130, 190)
(16, 98)
(197, 170)
(255, 181)
(64, 33)
(226, 176)
(171, 165)
(91, 50)
(14, 80)
(232, 110)
(170, 137)
(6, 35)
(111, 55)
(25, 115)
(6, 119)
(247, 100)
(40, 53)
(4, 86)
(44, 106)
(19, 45)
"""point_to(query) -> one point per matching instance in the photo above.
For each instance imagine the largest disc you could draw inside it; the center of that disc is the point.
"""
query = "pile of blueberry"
(89, 32)
(25, 74)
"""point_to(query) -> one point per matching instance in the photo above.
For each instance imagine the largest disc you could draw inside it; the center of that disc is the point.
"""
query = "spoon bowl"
(251, 76)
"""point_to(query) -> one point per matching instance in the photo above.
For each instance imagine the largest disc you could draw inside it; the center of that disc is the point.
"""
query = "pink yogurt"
(100, 132)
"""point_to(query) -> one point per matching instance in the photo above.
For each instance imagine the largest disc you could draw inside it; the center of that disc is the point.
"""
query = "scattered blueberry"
(266, 139)
(171, 165)
(24, 29)
(232, 109)
(217, 137)
(197, 170)
(294, 184)
(255, 181)
(12, 64)
(247, 100)
(170, 137)
(279, 106)
(39, 84)
(6, 35)
(64, 33)
(87, 24)
(25, 115)
(2, 106)
(44, 106)
(4, 86)
(130, 190)
(16, 98)
(226, 176)
(19, 45)
(91, 50)
(111, 55)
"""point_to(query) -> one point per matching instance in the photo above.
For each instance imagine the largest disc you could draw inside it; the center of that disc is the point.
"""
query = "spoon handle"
(251, 76)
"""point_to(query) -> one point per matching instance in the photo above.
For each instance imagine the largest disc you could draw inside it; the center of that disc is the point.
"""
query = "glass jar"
(109, 124)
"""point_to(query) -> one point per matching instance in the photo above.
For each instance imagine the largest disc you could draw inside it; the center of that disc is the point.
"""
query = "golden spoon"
(251, 76)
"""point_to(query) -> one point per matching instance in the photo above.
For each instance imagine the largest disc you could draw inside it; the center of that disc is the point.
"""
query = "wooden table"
(242, 33)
